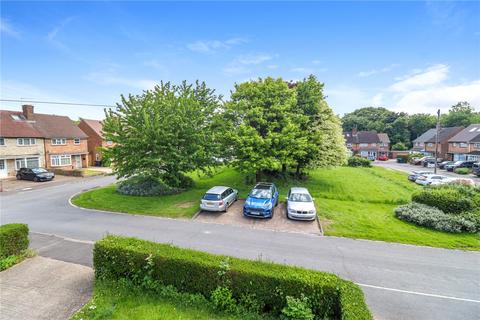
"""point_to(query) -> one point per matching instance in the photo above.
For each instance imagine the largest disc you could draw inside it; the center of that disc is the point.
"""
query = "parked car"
(218, 198)
(476, 169)
(35, 174)
(432, 179)
(415, 174)
(442, 164)
(430, 163)
(300, 205)
(383, 158)
(261, 201)
(463, 181)
(459, 164)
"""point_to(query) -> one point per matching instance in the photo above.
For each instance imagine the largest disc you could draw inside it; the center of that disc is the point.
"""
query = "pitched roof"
(96, 126)
(53, 126)
(445, 134)
(470, 133)
(427, 135)
(11, 128)
(383, 138)
(363, 137)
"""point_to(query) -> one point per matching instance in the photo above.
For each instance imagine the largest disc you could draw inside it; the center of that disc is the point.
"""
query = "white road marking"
(207, 232)
(25, 189)
(418, 293)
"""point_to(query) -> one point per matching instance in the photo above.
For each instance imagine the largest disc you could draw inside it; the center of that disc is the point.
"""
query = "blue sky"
(407, 56)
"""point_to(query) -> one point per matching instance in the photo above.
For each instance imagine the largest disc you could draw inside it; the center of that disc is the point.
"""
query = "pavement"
(279, 221)
(399, 281)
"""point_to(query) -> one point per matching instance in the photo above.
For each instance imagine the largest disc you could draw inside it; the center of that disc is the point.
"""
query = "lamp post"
(436, 141)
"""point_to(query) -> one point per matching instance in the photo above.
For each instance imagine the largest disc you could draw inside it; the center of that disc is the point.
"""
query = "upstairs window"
(26, 141)
(463, 145)
(363, 144)
(2, 141)
(76, 141)
(59, 141)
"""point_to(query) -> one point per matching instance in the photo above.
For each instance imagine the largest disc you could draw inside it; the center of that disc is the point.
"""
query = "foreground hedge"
(13, 239)
(198, 272)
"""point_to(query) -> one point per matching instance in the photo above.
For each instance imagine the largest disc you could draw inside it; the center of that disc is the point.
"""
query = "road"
(399, 281)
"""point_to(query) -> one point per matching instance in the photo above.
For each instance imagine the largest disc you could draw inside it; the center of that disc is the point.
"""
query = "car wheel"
(19, 177)
(35, 179)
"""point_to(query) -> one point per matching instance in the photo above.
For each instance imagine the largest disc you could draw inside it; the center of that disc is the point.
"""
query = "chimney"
(28, 111)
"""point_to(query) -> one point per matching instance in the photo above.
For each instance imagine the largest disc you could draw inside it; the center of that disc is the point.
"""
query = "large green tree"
(164, 132)
(419, 123)
(460, 115)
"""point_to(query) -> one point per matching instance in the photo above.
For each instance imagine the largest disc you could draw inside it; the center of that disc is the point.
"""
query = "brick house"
(419, 144)
(368, 144)
(444, 136)
(466, 144)
(96, 141)
(21, 145)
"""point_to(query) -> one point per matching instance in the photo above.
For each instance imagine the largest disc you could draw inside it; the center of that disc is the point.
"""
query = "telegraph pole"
(436, 141)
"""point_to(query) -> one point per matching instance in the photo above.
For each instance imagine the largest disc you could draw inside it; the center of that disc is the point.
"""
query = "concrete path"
(399, 281)
(43, 288)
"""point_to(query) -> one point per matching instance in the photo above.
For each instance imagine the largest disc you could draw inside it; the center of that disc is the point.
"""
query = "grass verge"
(12, 260)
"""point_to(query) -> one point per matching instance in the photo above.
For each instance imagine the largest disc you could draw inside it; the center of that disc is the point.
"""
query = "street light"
(436, 141)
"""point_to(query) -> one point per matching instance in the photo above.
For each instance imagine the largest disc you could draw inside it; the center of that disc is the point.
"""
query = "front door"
(3, 168)
(78, 162)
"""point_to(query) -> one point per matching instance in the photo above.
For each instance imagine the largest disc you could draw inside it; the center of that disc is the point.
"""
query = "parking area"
(279, 222)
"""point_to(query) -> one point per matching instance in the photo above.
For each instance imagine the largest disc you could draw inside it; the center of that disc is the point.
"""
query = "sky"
(407, 56)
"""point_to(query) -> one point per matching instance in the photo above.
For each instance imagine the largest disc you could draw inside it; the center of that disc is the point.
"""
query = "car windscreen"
(211, 196)
(300, 197)
(39, 170)
(261, 193)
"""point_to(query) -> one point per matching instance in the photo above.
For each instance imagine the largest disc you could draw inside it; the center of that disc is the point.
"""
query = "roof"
(96, 126)
(363, 137)
(383, 138)
(217, 189)
(470, 133)
(445, 134)
(53, 126)
(299, 190)
(10, 128)
(427, 135)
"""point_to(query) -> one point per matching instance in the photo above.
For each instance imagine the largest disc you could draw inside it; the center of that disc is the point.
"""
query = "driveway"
(399, 281)
(279, 221)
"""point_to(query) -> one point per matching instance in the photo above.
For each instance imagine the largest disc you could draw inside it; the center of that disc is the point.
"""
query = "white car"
(300, 205)
(218, 198)
(432, 179)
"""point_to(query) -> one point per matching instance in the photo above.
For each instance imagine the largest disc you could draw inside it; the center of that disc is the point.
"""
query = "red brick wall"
(68, 148)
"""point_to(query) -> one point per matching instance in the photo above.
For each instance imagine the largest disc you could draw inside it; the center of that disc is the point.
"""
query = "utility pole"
(436, 141)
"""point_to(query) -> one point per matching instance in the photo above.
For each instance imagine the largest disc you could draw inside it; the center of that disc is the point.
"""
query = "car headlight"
(292, 211)
(267, 205)
(311, 211)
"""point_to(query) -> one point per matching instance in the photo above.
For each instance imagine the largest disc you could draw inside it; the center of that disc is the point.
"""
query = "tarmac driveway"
(279, 222)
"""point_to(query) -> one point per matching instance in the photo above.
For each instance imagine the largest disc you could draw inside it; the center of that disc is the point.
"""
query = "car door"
(30, 174)
(228, 196)
(275, 195)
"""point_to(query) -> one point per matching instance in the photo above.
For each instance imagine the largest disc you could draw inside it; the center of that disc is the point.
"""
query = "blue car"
(261, 201)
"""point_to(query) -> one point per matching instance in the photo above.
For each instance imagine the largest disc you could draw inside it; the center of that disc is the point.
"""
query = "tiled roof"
(470, 133)
(445, 134)
(384, 138)
(96, 126)
(11, 128)
(362, 137)
(52, 126)
(427, 135)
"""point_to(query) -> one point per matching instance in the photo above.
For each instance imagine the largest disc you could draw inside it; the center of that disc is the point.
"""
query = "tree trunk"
(284, 169)
(258, 176)
(297, 172)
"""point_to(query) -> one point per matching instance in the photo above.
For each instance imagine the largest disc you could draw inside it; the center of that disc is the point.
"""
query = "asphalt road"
(399, 281)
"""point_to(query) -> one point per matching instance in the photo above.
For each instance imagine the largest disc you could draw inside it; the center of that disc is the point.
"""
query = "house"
(444, 136)
(368, 144)
(29, 139)
(21, 145)
(466, 144)
(419, 144)
(96, 141)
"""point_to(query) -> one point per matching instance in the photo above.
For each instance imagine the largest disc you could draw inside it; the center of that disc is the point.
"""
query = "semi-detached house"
(40, 140)
(466, 144)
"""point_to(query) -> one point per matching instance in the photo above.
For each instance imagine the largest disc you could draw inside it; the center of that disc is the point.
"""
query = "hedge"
(13, 239)
(449, 199)
(357, 161)
(199, 272)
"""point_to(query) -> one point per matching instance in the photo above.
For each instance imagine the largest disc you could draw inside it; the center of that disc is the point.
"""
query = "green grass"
(351, 202)
(12, 260)
(116, 301)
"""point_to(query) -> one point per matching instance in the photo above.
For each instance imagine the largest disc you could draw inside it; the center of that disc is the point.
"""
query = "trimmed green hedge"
(198, 272)
(13, 239)
(449, 199)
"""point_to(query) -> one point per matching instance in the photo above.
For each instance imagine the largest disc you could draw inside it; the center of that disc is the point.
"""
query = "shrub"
(223, 300)
(297, 309)
(13, 239)
(68, 172)
(357, 161)
(198, 272)
(434, 218)
(462, 171)
(144, 186)
(399, 146)
(448, 198)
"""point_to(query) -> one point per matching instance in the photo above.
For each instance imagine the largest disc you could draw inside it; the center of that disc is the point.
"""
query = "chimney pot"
(28, 111)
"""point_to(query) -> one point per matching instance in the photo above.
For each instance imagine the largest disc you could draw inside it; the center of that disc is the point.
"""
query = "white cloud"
(253, 58)
(110, 77)
(7, 29)
(377, 100)
(345, 98)
(302, 70)
(241, 64)
(211, 46)
(421, 79)
(372, 72)
(52, 36)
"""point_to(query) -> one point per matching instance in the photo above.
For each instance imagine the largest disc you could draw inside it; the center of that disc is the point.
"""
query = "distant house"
(466, 144)
(368, 144)
(444, 136)
(419, 144)
(96, 141)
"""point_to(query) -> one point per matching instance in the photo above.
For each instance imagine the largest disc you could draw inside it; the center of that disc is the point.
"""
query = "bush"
(13, 239)
(198, 272)
(223, 300)
(357, 161)
(448, 198)
(399, 146)
(463, 170)
(297, 309)
(68, 172)
(434, 218)
(144, 186)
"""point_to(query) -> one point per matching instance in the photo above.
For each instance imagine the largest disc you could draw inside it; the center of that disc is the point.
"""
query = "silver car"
(300, 205)
(218, 199)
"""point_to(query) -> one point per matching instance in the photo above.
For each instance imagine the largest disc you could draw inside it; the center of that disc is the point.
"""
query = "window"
(76, 141)
(26, 141)
(61, 160)
(363, 144)
(2, 141)
(476, 145)
(27, 163)
(349, 145)
(430, 144)
(463, 145)
(17, 117)
(2, 164)
(374, 144)
(59, 141)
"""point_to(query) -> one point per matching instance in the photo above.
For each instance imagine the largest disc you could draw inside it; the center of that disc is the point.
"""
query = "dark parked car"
(476, 169)
(459, 164)
(35, 174)
(442, 165)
